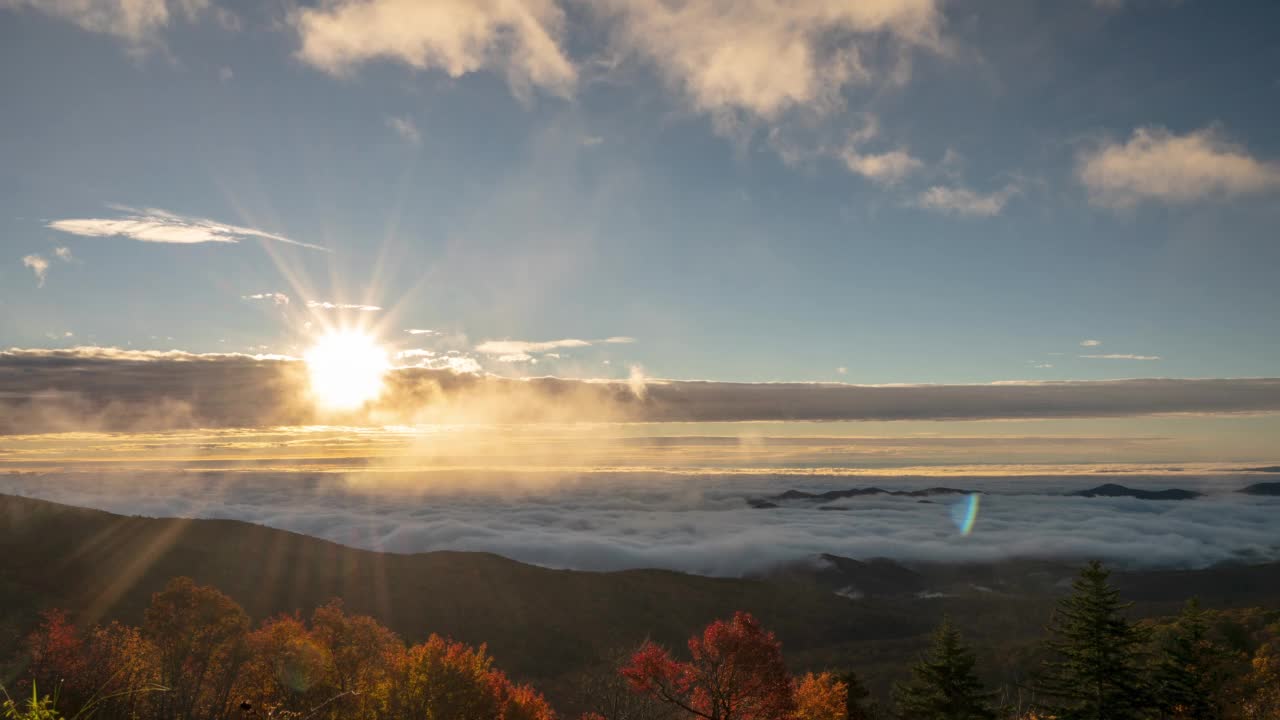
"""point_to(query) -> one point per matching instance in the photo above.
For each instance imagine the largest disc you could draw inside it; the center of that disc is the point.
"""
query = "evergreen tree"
(1190, 673)
(857, 704)
(944, 685)
(1097, 670)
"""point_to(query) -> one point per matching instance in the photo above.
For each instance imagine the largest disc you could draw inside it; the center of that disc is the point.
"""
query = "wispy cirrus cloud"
(1158, 165)
(524, 350)
(278, 298)
(325, 305)
(520, 38)
(963, 201)
(1120, 356)
(160, 226)
(405, 128)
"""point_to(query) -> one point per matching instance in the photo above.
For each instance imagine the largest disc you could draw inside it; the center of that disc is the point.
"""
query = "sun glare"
(346, 370)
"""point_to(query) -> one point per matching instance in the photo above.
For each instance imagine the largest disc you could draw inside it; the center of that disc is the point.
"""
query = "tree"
(443, 679)
(1191, 671)
(56, 655)
(857, 705)
(821, 697)
(735, 673)
(944, 685)
(1096, 670)
(199, 638)
(286, 669)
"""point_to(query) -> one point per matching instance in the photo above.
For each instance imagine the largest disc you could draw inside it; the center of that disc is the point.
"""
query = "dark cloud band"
(108, 389)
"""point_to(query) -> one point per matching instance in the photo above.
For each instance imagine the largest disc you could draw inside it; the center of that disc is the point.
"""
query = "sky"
(898, 191)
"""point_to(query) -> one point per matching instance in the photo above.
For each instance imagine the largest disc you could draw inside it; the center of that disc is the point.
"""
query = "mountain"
(546, 625)
(1265, 488)
(830, 495)
(539, 623)
(1114, 490)
(1265, 469)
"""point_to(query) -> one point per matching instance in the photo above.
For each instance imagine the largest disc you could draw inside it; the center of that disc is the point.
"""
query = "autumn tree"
(735, 672)
(123, 668)
(199, 639)
(821, 697)
(1096, 668)
(285, 668)
(944, 685)
(608, 694)
(362, 655)
(56, 662)
(1191, 672)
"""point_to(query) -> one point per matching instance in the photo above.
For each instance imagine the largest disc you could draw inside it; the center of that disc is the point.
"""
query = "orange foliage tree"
(821, 697)
(735, 672)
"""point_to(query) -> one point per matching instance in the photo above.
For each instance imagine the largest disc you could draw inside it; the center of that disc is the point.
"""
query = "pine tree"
(1190, 672)
(1097, 670)
(944, 685)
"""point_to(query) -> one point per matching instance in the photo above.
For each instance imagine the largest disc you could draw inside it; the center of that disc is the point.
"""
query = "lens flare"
(346, 370)
(965, 513)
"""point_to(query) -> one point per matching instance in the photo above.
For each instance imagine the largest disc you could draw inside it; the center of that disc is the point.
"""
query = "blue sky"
(913, 191)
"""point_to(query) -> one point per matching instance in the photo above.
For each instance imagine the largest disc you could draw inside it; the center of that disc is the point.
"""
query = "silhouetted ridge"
(1266, 488)
(1114, 490)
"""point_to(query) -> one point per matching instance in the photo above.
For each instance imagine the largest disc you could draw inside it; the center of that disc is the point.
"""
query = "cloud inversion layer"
(702, 524)
(109, 389)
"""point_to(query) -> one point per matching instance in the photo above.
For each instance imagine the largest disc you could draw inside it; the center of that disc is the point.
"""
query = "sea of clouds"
(698, 522)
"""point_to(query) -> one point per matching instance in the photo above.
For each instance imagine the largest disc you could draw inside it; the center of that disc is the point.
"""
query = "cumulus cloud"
(405, 128)
(888, 168)
(38, 265)
(325, 305)
(767, 56)
(63, 254)
(520, 38)
(699, 523)
(278, 298)
(48, 390)
(1121, 356)
(1158, 165)
(160, 226)
(963, 201)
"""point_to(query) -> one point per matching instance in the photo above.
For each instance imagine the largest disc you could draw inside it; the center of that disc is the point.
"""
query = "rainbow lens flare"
(965, 513)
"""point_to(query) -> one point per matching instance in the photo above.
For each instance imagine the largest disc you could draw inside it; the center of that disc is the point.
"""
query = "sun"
(346, 369)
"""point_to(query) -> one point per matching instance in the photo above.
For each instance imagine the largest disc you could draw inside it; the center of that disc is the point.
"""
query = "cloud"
(888, 168)
(134, 21)
(767, 56)
(421, 331)
(38, 265)
(518, 37)
(842, 370)
(1121, 356)
(406, 129)
(278, 298)
(452, 361)
(107, 388)
(225, 74)
(160, 226)
(324, 305)
(521, 351)
(963, 201)
(1158, 165)
(1090, 343)
(692, 522)
(63, 254)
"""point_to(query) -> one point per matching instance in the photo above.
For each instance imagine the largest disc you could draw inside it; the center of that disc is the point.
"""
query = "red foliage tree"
(57, 664)
(735, 673)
